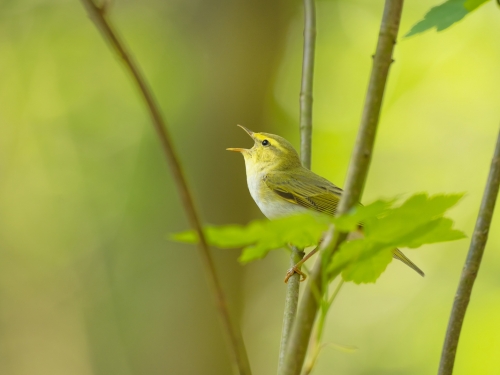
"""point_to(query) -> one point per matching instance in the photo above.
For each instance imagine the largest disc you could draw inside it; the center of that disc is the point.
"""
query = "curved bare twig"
(471, 267)
(98, 16)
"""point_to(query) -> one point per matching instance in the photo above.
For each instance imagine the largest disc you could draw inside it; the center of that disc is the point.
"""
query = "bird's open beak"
(249, 132)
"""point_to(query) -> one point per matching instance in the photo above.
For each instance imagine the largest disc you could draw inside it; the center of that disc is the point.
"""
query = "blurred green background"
(89, 283)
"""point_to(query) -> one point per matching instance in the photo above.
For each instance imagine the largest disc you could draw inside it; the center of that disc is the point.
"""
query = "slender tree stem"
(98, 16)
(291, 302)
(358, 170)
(301, 331)
(306, 100)
(320, 327)
(306, 91)
(472, 264)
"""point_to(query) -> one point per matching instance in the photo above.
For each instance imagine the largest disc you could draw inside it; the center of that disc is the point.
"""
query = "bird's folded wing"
(316, 194)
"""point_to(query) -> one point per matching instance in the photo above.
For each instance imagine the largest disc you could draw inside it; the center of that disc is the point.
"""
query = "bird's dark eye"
(265, 142)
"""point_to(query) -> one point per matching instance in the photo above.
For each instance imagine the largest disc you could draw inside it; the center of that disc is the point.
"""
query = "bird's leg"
(296, 267)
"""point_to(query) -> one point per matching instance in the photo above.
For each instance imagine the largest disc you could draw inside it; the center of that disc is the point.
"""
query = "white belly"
(271, 204)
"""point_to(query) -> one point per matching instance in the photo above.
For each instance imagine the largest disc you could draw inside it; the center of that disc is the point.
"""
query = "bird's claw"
(293, 271)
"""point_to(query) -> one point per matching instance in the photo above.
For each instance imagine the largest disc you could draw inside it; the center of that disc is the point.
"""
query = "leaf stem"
(472, 264)
(358, 170)
(98, 16)
(306, 100)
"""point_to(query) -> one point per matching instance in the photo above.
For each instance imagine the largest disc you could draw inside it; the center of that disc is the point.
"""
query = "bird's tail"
(400, 256)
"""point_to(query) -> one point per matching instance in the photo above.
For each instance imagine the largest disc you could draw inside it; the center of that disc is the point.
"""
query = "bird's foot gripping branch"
(387, 226)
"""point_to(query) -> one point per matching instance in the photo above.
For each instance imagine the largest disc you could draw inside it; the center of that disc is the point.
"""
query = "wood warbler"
(281, 186)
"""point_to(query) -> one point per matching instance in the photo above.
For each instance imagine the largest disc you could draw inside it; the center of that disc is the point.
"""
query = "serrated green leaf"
(445, 15)
(188, 236)
(401, 221)
(431, 205)
(357, 216)
(361, 261)
(261, 236)
(418, 220)
(255, 252)
(471, 5)
(438, 230)
(300, 230)
(225, 237)
(368, 269)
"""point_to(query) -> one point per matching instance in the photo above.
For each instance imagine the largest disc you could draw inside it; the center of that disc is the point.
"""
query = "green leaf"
(225, 237)
(439, 230)
(300, 230)
(262, 236)
(361, 261)
(445, 15)
(471, 5)
(188, 236)
(351, 221)
(417, 221)
(401, 221)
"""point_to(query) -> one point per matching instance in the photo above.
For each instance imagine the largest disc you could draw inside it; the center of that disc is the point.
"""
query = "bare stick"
(316, 345)
(306, 91)
(471, 267)
(358, 169)
(291, 302)
(306, 100)
(98, 16)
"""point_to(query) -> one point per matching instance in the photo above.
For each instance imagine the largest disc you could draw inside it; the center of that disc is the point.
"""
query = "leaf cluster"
(384, 225)
(418, 221)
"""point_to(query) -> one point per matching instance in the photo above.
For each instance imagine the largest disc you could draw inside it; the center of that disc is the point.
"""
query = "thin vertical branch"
(358, 170)
(320, 327)
(306, 100)
(306, 91)
(301, 331)
(98, 16)
(291, 302)
(471, 267)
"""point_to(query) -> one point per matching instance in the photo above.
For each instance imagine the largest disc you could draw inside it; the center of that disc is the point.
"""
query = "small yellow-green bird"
(281, 186)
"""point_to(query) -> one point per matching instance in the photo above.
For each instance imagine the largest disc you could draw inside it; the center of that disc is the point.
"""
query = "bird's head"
(269, 151)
